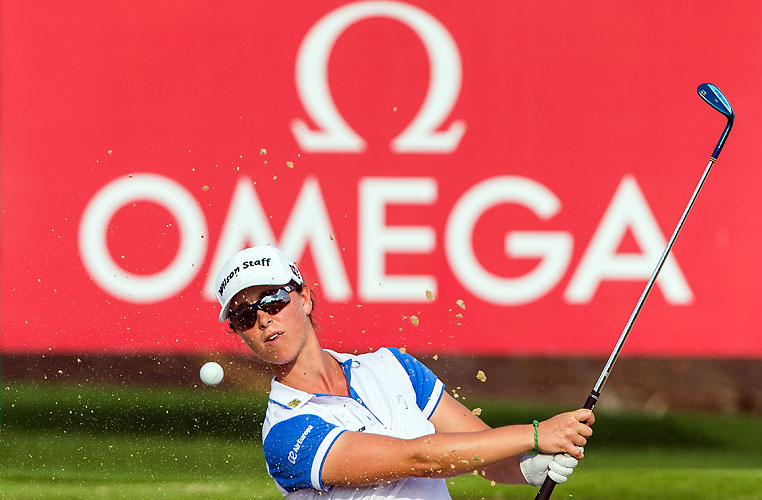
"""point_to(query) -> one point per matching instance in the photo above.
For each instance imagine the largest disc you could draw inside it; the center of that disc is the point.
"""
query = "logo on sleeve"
(293, 454)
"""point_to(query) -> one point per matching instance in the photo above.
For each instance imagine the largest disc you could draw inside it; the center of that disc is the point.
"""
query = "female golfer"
(377, 425)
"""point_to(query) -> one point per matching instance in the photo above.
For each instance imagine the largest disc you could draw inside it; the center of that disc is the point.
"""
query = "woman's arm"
(358, 458)
(452, 416)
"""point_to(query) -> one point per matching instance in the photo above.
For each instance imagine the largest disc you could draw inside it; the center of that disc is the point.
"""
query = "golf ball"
(211, 373)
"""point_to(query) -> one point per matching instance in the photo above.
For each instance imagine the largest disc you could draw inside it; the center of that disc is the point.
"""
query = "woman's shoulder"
(382, 353)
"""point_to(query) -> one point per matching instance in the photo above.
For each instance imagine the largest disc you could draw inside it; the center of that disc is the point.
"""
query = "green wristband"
(536, 441)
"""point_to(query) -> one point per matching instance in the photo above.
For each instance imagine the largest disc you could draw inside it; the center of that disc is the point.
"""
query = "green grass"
(74, 464)
(71, 442)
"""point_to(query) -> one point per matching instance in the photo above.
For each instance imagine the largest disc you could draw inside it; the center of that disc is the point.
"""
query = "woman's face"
(276, 338)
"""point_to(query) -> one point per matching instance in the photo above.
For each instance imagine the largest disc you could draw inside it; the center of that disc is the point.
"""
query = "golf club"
(712, 95)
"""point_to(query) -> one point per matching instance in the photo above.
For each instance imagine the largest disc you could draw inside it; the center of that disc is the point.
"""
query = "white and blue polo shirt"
(391, 393)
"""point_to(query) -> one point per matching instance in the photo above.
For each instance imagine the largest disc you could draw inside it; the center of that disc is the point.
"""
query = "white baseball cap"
(259, 265)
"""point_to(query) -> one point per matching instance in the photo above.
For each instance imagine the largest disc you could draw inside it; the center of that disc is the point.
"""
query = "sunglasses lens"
(243, 318)
(272, 304)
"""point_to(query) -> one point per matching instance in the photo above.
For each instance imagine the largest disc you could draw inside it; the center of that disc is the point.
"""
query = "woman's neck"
(314, 371)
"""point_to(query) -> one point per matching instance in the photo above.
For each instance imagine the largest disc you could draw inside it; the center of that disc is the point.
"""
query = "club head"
(716, 99)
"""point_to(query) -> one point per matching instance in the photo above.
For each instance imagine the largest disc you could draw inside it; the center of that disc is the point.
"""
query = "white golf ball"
(211, 373)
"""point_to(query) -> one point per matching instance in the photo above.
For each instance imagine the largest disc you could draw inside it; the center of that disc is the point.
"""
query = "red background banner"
(529, 160)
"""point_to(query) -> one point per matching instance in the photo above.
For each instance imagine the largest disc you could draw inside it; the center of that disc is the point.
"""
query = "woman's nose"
(263, 319)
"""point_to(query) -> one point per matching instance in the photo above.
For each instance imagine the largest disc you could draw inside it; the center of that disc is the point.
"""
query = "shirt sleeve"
(295, 450)
(428, 388)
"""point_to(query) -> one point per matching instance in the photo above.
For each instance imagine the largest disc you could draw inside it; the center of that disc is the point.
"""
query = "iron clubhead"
(716, 99)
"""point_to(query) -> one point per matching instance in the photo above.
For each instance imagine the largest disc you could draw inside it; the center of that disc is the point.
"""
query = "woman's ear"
(306, 300)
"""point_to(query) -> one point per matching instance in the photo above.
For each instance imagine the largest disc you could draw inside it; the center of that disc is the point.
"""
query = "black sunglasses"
(245, 316)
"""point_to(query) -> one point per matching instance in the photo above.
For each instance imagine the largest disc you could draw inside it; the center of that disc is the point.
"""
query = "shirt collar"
(343, 358)
(291, 398)
(286, 396)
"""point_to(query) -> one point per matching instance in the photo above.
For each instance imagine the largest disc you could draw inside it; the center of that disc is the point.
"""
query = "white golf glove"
(536, 467)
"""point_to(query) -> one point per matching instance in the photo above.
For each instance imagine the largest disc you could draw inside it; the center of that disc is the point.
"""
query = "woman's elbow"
(423, 463)
(425, 467)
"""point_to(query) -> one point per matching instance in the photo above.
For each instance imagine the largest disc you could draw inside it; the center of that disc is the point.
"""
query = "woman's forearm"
(451, 454)
(363, 458)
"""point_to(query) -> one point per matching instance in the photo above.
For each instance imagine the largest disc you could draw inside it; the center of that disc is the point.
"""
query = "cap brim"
(224, 312)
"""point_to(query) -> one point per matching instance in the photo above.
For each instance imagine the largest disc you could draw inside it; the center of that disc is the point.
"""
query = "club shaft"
(590, 403)
(636, 311)
(546, 490)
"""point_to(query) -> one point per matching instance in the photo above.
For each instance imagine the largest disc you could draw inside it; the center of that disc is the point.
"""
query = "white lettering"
(309, 223)
(245, 224)
(554, 248)
(422, 134)
(293, 454)
(628, 210)
(93, 230)
(377, 239)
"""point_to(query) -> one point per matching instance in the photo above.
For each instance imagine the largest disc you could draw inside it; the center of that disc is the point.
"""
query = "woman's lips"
(273, 337)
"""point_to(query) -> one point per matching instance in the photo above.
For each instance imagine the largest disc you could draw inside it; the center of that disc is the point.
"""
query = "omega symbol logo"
(422, 135)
